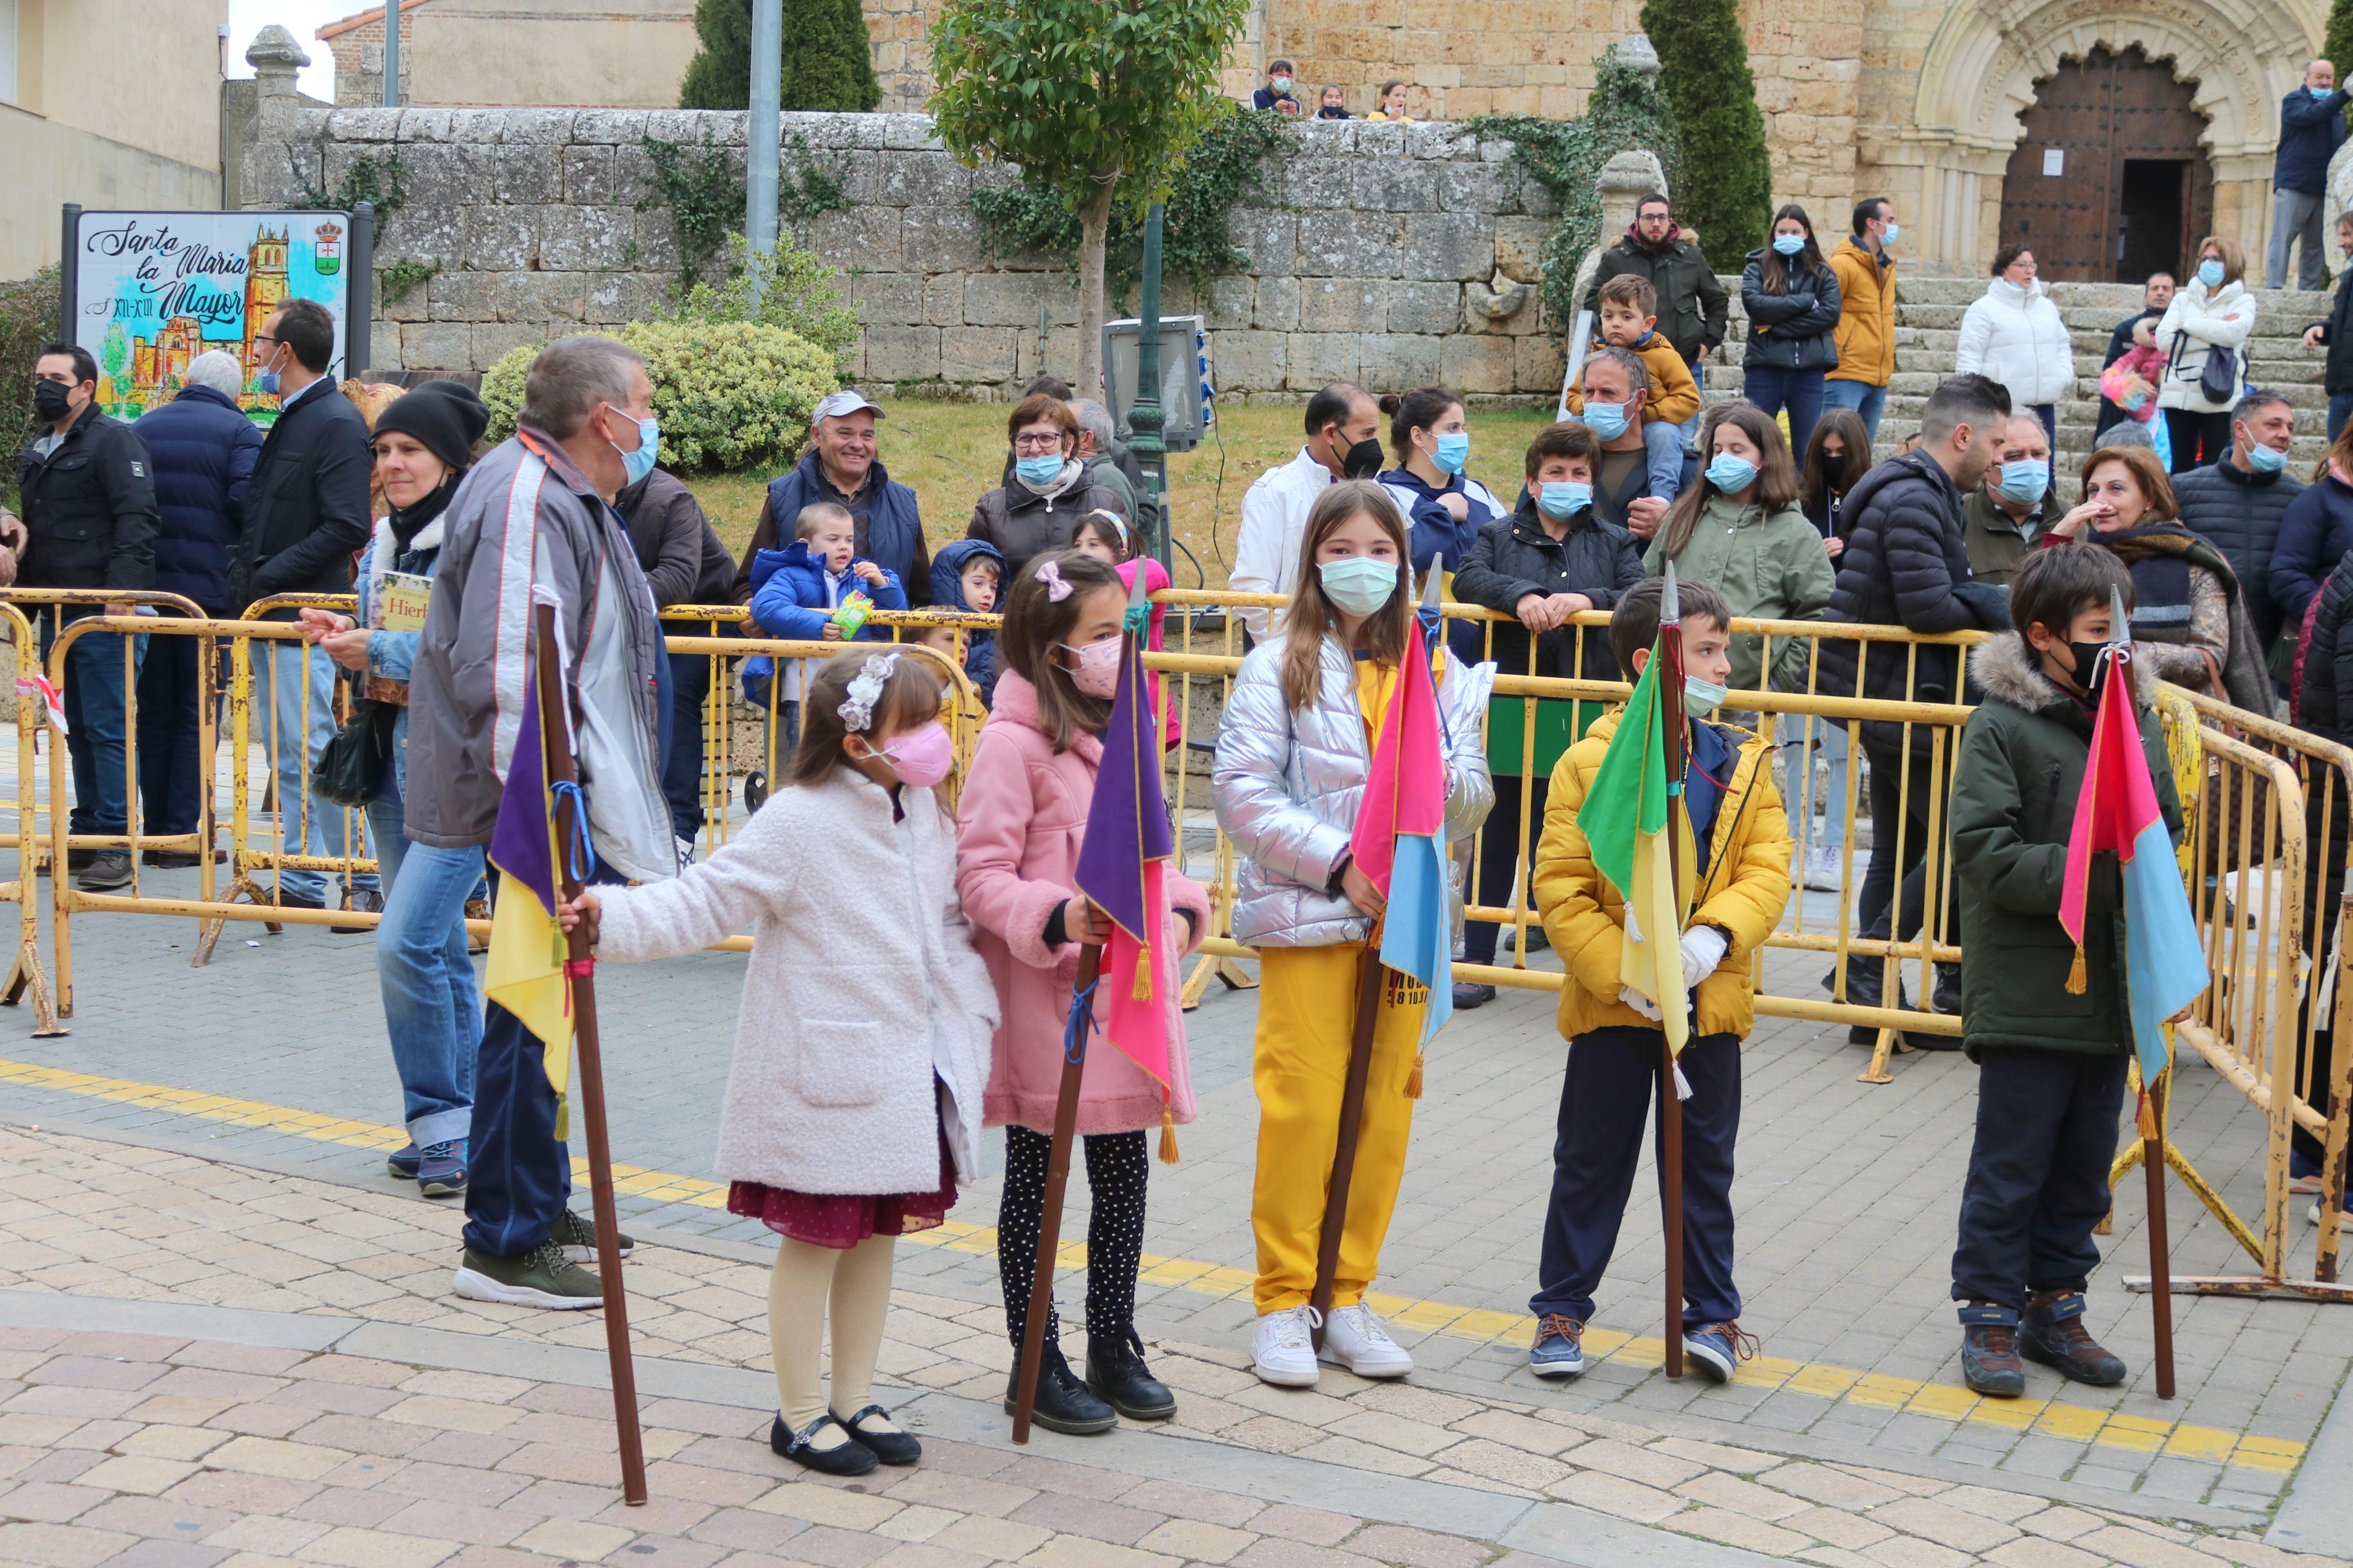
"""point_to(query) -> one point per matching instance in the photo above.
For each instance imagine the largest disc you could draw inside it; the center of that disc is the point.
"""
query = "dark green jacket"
(2014, 790)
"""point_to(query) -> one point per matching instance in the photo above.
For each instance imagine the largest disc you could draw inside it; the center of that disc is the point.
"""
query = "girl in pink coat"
(1020, 821)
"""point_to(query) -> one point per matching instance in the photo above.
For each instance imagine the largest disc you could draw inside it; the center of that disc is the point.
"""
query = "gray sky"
(302, 19)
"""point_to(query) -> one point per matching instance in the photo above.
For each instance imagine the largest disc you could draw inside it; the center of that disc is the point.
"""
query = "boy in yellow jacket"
(1740, 883)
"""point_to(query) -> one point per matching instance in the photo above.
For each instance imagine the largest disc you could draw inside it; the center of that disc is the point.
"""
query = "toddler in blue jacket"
(796, 590)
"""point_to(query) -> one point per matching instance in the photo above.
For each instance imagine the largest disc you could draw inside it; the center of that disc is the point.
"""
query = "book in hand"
(400, 603)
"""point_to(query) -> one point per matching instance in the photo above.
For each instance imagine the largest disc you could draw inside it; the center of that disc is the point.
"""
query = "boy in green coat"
(2052, 1061)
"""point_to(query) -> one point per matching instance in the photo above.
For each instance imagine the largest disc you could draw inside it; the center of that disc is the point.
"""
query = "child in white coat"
(862, 1050)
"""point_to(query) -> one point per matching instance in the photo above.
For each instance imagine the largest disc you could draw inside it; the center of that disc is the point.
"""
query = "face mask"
(266, 381)
(2210, 273)
(2025, 481)
(1453, 451)
(1097, 674)
(923, 757)
(637, 465)
(1893, 230)
(1730, 474)
(1363, 461)
(1359, 585)
(2320, 91)
(2266, 460)
(1607, 420)
(50, 401)
(1281, 83)
(1559, 499)
(1700, 698)
(2087, 658)
(1042, 470)
(1789, 243)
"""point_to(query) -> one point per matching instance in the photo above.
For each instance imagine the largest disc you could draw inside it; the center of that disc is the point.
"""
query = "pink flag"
(1405, 792)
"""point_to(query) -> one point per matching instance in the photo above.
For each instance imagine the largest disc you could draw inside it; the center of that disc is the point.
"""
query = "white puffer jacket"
(863, 993)
(1287, 785)
(2196, 322)
(2016, 336)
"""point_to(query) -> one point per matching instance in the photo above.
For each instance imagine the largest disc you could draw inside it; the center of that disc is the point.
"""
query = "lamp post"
(763, 133)
(391, 62)
(1146, 418)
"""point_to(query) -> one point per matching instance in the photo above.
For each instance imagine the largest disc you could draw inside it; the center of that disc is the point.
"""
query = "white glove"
(1703, 948)
(1639, 1002)
(1633, 931)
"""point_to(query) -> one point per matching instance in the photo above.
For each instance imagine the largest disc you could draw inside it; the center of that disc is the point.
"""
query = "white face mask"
(1701, 697)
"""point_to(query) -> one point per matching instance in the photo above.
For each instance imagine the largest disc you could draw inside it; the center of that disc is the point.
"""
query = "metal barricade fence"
(27, 975)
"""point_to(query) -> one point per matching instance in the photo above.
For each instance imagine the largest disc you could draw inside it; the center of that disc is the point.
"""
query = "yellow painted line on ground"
(1943, 1402)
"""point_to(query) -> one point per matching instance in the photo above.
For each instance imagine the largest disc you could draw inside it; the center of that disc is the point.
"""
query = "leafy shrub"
(828, 62)
(730, 394)
(797, 294)
(29, 317)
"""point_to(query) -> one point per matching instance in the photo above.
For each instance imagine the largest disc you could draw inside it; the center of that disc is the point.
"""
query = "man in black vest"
(2235, 503)
(306, 514)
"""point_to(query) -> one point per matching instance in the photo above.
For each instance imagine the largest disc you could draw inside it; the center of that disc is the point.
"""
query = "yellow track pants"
(1306, 1015)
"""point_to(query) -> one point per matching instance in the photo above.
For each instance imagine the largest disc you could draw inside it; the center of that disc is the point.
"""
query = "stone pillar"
(268, 178)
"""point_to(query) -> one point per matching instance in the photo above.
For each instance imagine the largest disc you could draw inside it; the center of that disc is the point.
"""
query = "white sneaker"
(1355, 1338)
(686, 853)
(1283, 1348)
(1822, 868)
(2343, 1221)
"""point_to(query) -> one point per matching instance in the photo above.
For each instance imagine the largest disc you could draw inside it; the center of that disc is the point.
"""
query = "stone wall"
(1388, 253)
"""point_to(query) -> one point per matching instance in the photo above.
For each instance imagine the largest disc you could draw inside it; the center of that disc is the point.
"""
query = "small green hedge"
(730, 394)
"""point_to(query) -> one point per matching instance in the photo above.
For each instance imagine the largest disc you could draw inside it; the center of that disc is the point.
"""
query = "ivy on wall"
(1565, 156)
(706, 196)
(368, 179)
(1227, 164)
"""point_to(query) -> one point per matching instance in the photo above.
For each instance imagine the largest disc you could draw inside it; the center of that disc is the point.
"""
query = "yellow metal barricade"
(27, 976)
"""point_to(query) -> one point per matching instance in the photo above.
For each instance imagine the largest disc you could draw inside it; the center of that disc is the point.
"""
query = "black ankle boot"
(1063, 1403)
(2051, 1330)
(1116, 1372)
(1865, 983)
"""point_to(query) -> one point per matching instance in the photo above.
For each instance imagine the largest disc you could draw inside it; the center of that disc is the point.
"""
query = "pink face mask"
(922, 757)
(1097, 674)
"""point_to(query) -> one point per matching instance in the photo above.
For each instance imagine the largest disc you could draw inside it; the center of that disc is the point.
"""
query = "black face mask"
(1362, 460)
(51, 401)
(2088, 658)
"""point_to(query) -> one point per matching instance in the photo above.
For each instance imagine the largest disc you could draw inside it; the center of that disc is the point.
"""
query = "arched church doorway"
(2109, 183)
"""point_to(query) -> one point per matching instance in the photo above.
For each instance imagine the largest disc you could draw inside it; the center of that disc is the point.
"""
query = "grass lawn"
(951, 453)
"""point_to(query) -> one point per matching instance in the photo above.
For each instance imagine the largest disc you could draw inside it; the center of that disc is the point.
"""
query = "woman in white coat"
(2013, 333)
(2212, 312)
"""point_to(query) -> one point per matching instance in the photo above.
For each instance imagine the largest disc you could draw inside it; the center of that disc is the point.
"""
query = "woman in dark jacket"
(1792, 299)
(2324, 703)
(1549, 560)
(1035, 511)
(2315, 532)
(2335, 335)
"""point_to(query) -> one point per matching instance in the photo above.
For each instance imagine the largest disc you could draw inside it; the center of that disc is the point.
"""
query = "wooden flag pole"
(555, 747)
(1049, 1218)
(1352, 1124)
(1671, 1107)
(2161, 1270)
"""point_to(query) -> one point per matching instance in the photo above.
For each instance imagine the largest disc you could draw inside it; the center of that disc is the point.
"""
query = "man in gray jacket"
(534, 519)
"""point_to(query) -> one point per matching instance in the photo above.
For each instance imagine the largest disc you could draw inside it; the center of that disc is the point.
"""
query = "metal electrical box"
(1184, 386)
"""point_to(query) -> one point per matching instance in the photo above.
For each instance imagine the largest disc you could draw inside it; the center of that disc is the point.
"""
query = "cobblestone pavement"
(274, 1060)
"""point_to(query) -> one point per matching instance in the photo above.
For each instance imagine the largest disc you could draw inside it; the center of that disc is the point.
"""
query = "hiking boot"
(441, 1168)
(2052, 1331)
(846, 1457)
(872, 1430)
(1990, 1362)
(1355, 1338)
(576, 1233)
(1064, 1404)
(543, 1277)
(1116, 1375)
(107, 870)
(1559, 1349)
(401, 1164)
(1283, 1348)
(1471, 994)
(1717, 1349)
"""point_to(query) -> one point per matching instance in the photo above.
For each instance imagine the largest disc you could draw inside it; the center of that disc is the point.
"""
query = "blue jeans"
(1863, 397)
(295, 727)
(1690, 427)
(1663, 449)
(1798, 391)
(1829, 741)
(94, 727)
(2341, 403)
(174, 771)
(431, 1008)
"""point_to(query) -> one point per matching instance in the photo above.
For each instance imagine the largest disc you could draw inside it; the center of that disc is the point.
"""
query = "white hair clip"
(866, 691)
(1051, 574)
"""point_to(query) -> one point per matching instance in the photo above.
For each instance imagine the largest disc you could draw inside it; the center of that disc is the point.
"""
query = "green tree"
(1087, 94)
(2336, 43)
(828, 61)
(1727, 175)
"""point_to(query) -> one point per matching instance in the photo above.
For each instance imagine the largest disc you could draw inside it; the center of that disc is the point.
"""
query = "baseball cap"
(850, 400)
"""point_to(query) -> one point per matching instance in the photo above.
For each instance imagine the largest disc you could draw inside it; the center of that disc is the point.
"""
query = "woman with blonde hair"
(2211, 317)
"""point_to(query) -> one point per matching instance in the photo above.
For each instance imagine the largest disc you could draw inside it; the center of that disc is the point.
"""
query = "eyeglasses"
(1029, 441)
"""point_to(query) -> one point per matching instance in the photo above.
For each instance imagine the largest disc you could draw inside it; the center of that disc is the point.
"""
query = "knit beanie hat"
(445, 417)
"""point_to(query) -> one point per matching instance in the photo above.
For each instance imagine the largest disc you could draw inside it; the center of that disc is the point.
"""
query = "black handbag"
(351, 767)
(2220, 381)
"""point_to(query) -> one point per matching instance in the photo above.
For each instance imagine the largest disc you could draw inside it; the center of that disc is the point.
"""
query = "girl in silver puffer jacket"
(1293, 752)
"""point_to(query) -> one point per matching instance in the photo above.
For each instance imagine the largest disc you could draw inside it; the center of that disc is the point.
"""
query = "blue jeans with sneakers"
(431, 1007)
(2037, 1178)
(294, 727)
(1603, 1097)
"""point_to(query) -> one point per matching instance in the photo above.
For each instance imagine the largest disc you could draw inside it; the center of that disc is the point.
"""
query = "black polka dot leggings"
(1117, 1167)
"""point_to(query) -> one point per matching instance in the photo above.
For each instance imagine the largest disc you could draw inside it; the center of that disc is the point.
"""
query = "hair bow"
(1051, 574)
(866, 691)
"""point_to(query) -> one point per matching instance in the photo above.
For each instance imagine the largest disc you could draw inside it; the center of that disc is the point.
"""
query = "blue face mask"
(1560, 499)
(1893, 230)
(637, 465)
(1789, 243)
(1042, 470)
(1730, 475)
(2210, 273)
(2025, 481)
(1357, 586)
(1607, 420)
(1453, 451)
(2266, 460)
(2320, 91)
(266, 381)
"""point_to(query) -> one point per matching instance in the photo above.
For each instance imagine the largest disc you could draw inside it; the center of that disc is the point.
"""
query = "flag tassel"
(1168, 1134)
(2077, 981)
(1413, 1078)
(1141, 990)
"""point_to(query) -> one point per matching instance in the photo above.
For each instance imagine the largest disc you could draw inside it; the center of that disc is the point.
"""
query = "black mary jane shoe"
(890, 1448)
(851, 1458)
(1116, 1375)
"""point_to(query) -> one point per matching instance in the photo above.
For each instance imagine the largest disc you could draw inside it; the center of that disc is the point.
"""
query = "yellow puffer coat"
(1865, 333)
(1744, 893)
